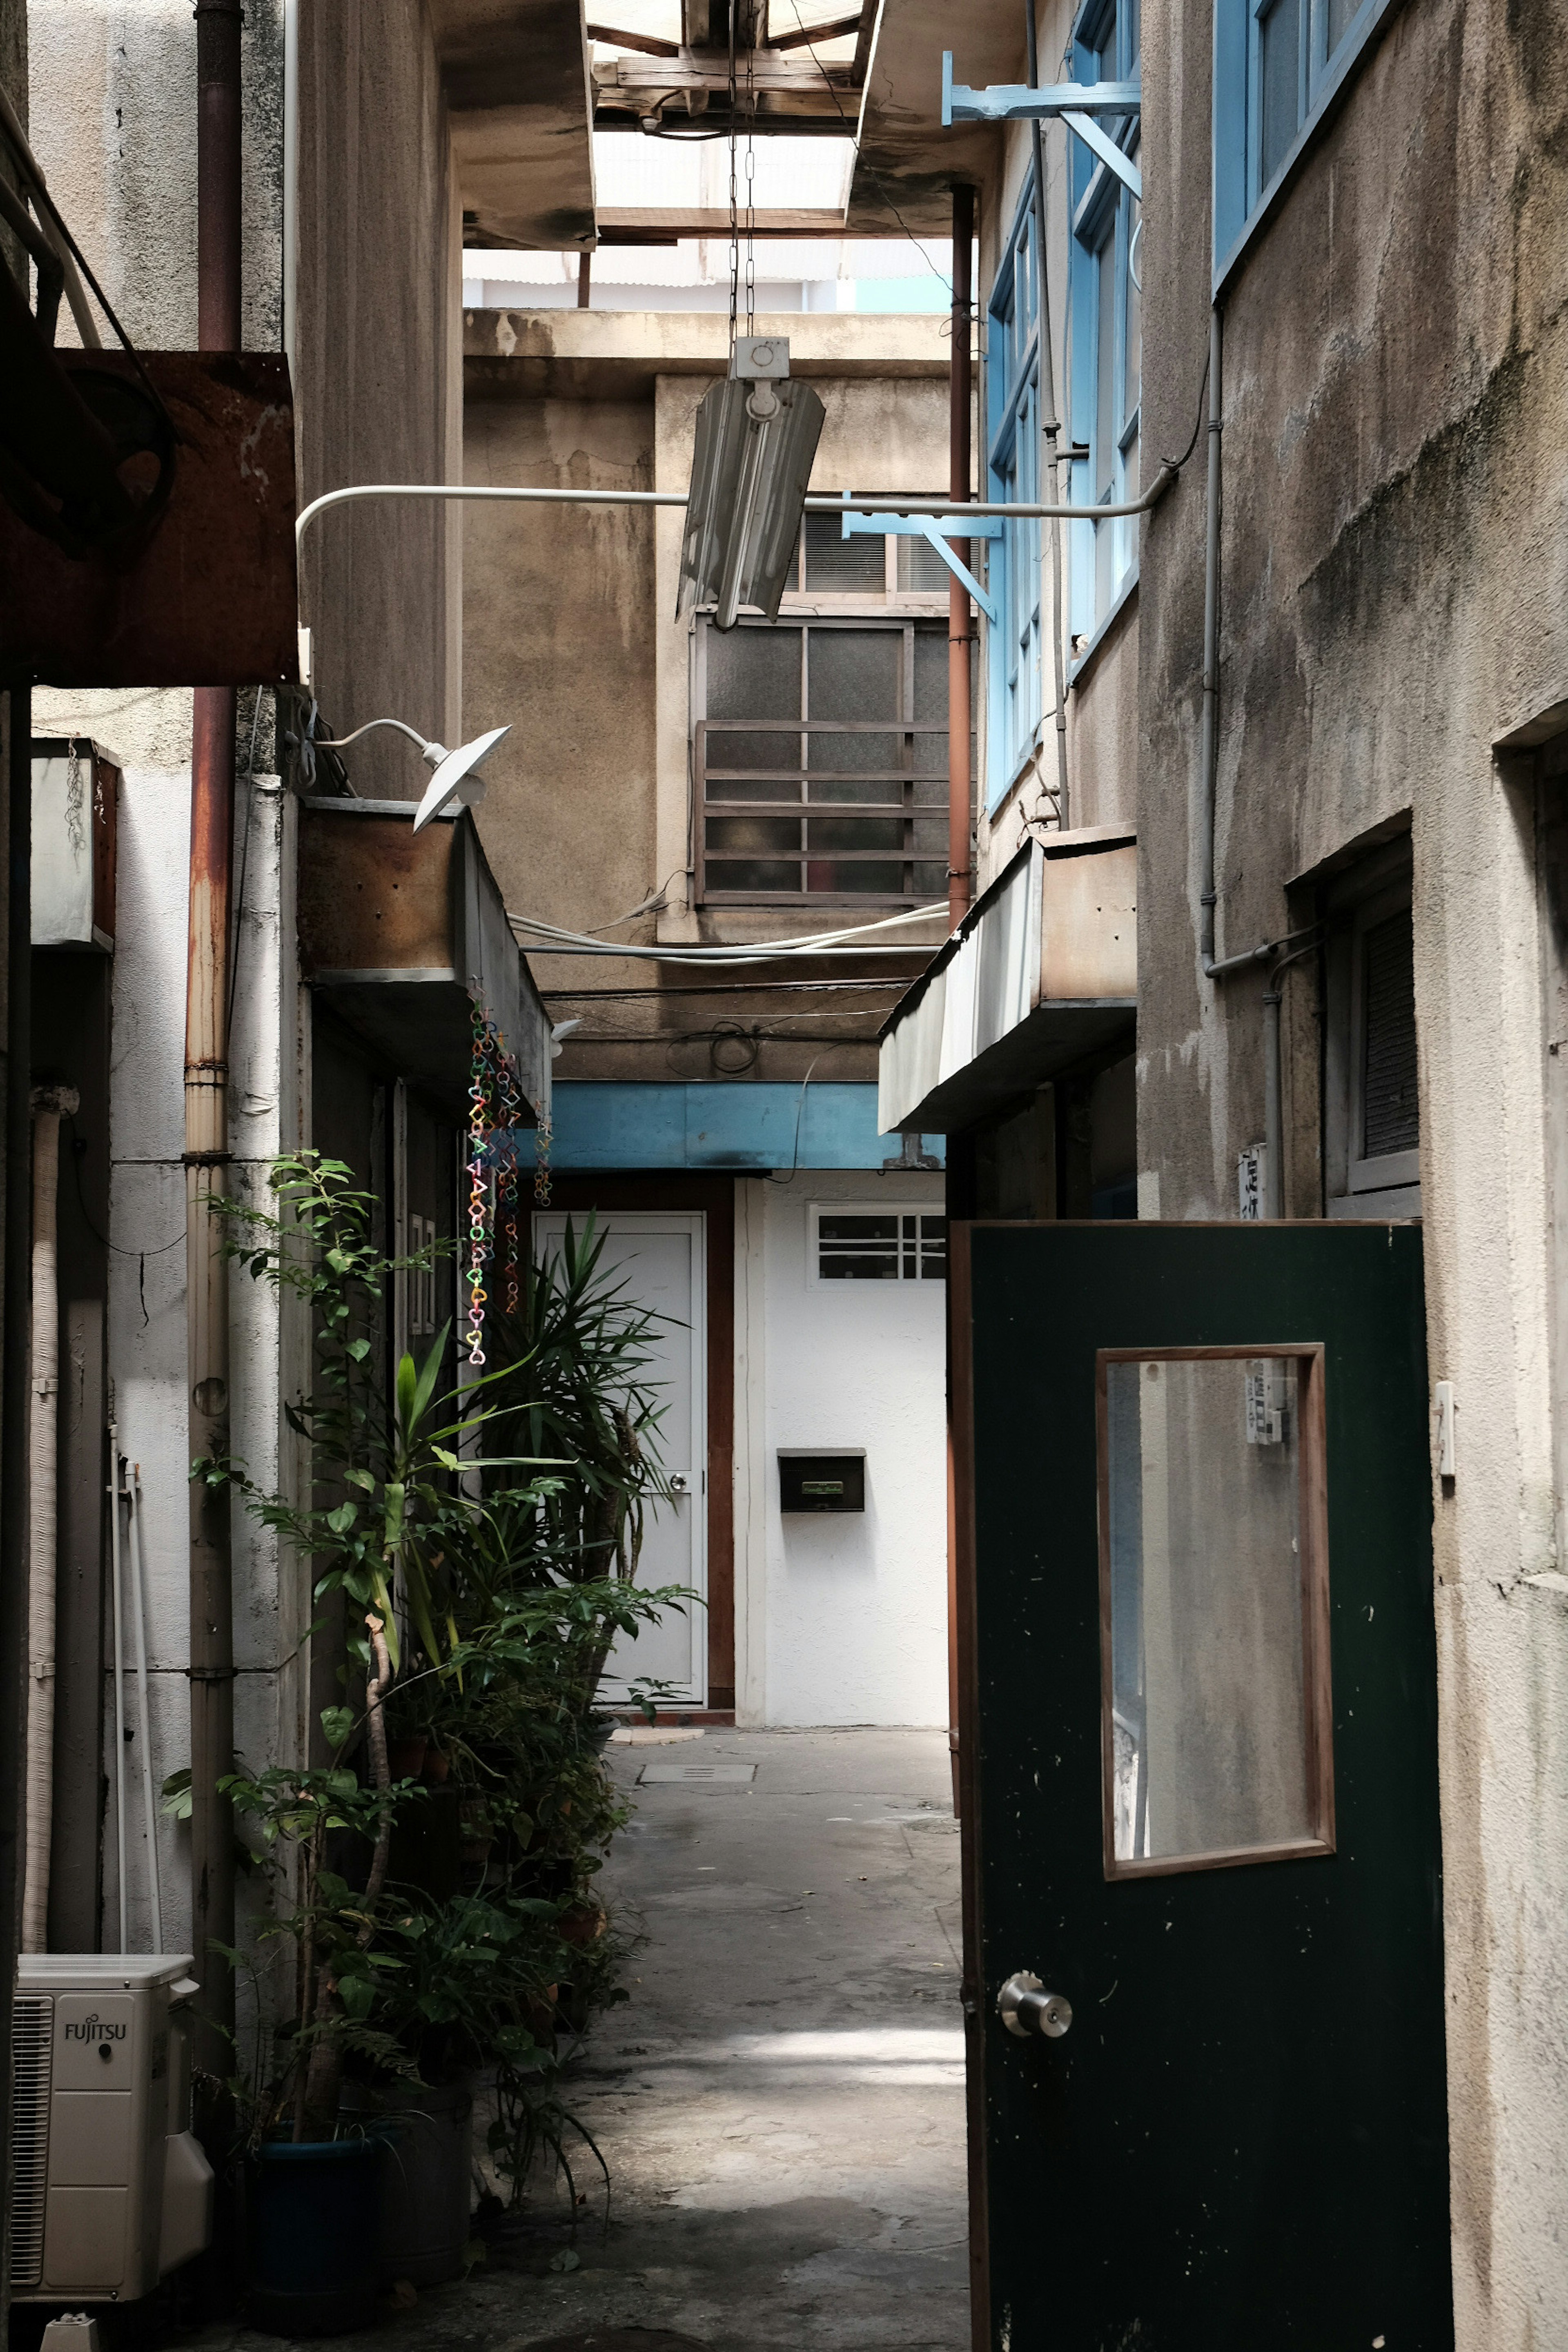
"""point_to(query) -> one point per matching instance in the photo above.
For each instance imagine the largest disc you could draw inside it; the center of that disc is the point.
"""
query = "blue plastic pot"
(313, 2235)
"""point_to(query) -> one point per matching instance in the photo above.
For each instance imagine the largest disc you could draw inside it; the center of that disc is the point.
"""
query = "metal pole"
(143, 1726)
(15, 1352)
(51, 1103)
(206, 1102)
(117, 1595)
(960, 627)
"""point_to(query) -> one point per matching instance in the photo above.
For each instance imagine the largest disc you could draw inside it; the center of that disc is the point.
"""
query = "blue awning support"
(1076, 103)
(936, 531)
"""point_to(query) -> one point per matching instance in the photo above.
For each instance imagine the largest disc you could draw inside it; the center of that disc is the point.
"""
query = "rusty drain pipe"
(207, 1103)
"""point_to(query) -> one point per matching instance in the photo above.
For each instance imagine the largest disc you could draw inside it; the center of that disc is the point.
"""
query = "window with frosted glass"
(1216, 1743)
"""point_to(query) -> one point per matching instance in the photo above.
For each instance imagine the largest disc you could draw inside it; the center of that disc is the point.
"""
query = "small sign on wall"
(1252, 1181)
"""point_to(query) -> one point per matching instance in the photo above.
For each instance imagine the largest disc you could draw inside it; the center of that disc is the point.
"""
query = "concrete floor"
(780, 2105)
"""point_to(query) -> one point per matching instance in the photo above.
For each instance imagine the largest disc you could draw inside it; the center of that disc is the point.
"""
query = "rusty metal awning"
(1041, 974)
(403, 934)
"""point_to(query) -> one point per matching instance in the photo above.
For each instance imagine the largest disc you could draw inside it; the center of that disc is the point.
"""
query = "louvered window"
(1372, 1107)
(32, 2038)
(1389, 1116)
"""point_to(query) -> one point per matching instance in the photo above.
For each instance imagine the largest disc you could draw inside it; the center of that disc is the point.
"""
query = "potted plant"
(511, 1605)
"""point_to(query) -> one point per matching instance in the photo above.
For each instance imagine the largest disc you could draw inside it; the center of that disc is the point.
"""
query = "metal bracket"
(932, 527)
(1076, 103)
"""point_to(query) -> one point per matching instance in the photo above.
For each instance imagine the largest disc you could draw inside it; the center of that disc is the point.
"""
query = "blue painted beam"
(937, 530)
(747, 1128)
(1016, 102)
(1076, 102)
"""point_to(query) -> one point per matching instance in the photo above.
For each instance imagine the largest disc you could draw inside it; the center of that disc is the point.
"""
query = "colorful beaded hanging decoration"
(481, 1091)
(506, 1180)
(495, 1102)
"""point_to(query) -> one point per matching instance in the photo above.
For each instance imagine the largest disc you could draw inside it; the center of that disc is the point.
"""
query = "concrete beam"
(618, 354)
(907, 163)
(520, 96)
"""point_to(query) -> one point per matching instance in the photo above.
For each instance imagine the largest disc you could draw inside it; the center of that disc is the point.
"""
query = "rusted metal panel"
(404, 933)
(211, 599)
(374, 896)
(1089, 920)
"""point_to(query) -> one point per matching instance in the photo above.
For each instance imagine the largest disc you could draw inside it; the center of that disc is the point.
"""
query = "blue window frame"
(1105, 341)
(1013, 464)
(1278, 66)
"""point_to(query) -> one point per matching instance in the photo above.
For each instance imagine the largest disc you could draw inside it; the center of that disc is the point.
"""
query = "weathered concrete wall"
(379, 361)
(559, 641)
(1395, 573)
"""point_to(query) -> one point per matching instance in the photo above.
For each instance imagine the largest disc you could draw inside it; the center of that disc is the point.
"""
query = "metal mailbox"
(822, 1482)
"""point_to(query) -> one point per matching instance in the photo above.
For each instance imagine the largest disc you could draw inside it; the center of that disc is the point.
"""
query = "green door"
(1199, 1704)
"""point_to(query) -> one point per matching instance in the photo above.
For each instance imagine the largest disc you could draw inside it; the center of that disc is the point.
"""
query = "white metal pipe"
(816, 505)
(139, 1626)
(119, 1675)
(50, 1105)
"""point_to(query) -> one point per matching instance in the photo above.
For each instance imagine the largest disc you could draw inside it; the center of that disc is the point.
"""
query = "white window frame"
(936, 1206)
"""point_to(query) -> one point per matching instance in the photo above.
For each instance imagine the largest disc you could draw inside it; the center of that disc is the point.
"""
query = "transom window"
(879, 1245)
(867, 567)
(819, 758)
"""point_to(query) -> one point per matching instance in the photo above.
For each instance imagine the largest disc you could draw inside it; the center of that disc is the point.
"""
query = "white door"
(659, 1256)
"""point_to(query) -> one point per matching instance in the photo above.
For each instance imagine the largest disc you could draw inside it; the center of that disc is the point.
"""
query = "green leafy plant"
(514, 1568)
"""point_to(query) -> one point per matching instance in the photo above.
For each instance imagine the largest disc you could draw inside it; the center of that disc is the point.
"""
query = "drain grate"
(697, 1776)
(620, 2339)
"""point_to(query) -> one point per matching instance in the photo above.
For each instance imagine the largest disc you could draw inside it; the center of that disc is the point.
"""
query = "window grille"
(881, 1246)
(1390, 1116)
(32, 2037)
(819, 760)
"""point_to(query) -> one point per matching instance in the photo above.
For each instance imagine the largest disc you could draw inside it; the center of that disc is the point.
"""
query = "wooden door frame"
(715, 1197)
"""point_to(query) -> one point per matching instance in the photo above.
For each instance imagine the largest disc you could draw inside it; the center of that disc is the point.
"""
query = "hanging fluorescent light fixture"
(756, 438)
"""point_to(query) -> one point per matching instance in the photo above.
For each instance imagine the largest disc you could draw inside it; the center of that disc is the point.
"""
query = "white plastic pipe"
(873, 503)
(119, 1675)
(50, 1105)
(139, 1627)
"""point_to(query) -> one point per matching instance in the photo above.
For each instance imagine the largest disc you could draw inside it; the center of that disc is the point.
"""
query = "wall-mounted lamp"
(756, 437)
(454, 784)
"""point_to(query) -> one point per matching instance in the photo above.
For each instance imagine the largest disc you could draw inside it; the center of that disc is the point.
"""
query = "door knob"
(1027, 2009)
(678, 1483)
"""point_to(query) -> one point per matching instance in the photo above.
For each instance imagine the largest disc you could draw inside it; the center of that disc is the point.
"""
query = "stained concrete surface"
(781, 2104)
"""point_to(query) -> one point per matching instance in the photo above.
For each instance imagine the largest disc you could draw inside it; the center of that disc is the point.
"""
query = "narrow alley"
(781, 2104)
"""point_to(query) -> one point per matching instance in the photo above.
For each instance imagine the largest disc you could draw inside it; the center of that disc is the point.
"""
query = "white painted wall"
(839, 1618)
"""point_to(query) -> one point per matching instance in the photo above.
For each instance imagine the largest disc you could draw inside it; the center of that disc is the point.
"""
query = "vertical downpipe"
(206, 1102)
(1209, 756)
(51, 1103)
(959, 625)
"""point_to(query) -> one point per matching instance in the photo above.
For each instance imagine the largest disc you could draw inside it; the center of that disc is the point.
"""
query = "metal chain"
(734, 209)
(751, 175)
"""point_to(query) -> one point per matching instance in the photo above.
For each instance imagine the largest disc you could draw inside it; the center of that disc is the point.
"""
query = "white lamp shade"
(447, 782)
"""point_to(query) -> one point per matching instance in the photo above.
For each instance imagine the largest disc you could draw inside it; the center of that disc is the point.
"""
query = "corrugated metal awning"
(1042, 971)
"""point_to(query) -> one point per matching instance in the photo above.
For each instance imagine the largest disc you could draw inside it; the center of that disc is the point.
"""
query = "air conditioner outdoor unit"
(112, 2190)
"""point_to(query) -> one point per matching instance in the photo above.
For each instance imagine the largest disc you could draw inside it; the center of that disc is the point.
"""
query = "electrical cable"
(548, 939)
